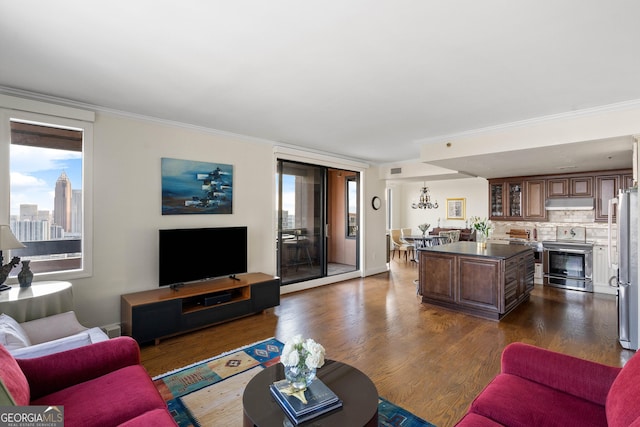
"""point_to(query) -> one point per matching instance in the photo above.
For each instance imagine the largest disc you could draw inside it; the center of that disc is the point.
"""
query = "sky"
(34, 172)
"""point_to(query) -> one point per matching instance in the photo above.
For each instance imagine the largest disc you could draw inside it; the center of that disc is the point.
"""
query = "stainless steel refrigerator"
(625, 259)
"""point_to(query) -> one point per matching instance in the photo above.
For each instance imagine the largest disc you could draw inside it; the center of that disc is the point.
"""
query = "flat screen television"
(194, 254)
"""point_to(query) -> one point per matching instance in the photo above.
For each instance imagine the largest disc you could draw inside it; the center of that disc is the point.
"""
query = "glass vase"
(481, 240)
(298, 377)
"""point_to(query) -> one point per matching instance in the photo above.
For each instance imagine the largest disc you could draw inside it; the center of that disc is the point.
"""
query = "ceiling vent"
(395, 171)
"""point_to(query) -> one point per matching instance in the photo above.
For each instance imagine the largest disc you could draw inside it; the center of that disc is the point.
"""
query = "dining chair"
(400, 245)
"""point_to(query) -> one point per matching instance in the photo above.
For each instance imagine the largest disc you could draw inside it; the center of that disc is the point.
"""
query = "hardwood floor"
(429, 360)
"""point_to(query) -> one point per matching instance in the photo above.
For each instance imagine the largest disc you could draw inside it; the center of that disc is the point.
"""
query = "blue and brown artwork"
(194, 187)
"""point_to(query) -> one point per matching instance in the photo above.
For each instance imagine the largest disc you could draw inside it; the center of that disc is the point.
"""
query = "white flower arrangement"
(483, 226)
(300, 352)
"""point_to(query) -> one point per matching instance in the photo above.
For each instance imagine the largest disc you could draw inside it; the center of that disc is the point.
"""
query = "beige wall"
(473, 190)
(127, 207)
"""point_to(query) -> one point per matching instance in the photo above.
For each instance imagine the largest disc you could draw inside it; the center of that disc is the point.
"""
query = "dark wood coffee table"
(358, 393)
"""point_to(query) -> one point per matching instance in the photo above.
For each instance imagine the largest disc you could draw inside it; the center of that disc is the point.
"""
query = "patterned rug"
(209, 393)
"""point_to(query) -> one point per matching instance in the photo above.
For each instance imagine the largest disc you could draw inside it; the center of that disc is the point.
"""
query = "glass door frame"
(331, 223)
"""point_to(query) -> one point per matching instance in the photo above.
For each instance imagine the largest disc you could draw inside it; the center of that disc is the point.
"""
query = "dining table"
(423, 241)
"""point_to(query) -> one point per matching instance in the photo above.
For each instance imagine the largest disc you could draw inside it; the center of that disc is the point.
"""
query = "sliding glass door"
(301, 221)
(318, 218)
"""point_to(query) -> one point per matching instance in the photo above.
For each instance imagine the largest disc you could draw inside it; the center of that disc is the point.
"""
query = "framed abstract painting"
(196, 187)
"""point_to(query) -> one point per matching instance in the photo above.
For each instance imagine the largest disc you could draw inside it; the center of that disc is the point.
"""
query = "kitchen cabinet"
(515, 199)
(578, 186)
(627, 180)
(505, 199)
(488, 282)
(607, 187)
(581, 186)
(534, 196)
(523, 198)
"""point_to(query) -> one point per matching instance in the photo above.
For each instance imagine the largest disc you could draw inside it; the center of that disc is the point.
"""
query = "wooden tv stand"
(163, 312)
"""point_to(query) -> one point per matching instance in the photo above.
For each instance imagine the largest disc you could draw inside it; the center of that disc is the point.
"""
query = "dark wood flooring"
(429, 360)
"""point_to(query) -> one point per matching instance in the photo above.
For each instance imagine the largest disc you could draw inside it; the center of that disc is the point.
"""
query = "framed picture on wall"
(456, 208)
(195, 187)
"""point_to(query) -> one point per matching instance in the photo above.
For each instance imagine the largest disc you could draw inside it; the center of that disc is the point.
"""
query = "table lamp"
(8, 241)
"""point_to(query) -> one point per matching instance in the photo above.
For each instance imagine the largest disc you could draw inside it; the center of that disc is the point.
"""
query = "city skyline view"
(34, 172)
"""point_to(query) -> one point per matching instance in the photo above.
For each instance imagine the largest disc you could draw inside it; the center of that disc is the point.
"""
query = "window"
(352, 206)
(49, 193)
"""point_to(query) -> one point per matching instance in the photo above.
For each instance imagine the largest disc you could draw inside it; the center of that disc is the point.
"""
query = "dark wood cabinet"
(479, 283)
(558, 187)
(505, 199)
(523, 198)
(484, 282)
(581, 186)
(576, 186)
(534, 197)
(606, 188)
(159, 313)
(626, 181)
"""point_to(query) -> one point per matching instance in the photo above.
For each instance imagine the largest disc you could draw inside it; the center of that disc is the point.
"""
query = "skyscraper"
(76, 212)
(62, 203)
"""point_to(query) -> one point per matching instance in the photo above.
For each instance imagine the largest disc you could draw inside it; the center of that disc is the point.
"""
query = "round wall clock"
(376, 203)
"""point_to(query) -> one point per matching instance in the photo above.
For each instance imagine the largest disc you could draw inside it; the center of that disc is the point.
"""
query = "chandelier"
(425, 200)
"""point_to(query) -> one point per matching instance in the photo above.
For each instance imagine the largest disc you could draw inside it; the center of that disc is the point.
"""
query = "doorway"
(318, 221)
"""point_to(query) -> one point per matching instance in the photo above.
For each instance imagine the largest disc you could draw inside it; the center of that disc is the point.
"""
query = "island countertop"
(486, 281)
(491, 250)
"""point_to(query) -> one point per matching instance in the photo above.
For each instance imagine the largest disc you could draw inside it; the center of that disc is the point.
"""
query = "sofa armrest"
(57, 371)
(90, 336)
(578, 377)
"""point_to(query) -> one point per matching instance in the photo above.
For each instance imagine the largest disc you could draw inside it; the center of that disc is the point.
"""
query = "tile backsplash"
(546, 230)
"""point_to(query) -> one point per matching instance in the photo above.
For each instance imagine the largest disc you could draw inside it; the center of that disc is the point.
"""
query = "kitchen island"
(487, 281)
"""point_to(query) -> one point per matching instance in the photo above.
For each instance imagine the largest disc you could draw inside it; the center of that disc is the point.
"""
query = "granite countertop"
(492, 250)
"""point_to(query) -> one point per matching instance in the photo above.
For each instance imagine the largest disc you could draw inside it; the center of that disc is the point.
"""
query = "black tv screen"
(193, 254)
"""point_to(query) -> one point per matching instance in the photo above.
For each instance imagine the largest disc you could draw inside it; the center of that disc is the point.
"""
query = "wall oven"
(568, 265)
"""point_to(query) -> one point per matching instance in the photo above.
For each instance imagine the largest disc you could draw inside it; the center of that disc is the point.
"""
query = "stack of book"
(320, 400)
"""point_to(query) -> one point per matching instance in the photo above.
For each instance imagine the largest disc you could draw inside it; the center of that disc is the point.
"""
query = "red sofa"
(538, 387)
(101, 384)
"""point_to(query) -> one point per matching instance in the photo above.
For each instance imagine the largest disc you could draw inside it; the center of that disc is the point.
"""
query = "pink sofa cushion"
(514, 401)
(53, 372)
(623, 405)
(14, 380)
(578, 377)
(109, 400)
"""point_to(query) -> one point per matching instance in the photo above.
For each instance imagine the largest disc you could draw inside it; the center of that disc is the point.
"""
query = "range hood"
(570, 204)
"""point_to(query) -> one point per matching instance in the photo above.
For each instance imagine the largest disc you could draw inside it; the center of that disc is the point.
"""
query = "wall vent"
(395, 171)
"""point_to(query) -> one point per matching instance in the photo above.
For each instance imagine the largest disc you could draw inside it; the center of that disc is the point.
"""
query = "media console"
(160, 313)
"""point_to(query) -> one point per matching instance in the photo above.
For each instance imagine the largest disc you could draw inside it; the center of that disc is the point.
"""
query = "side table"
(41, 299)
(358, 394)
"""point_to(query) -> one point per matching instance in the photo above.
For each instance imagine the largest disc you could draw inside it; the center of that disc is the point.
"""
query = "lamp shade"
(8, 240)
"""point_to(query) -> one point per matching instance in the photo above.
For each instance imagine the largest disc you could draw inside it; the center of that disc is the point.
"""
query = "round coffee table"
(358, 394)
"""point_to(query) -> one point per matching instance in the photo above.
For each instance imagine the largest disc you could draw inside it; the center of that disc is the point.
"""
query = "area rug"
(209, 393)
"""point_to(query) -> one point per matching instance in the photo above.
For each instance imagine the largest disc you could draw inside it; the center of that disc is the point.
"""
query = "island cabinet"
(159, 313)
(485, 281)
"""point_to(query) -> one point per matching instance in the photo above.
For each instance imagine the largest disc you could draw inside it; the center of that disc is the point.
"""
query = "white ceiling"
(361, 79)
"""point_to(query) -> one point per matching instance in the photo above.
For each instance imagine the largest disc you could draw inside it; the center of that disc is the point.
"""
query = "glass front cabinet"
(505, 199)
